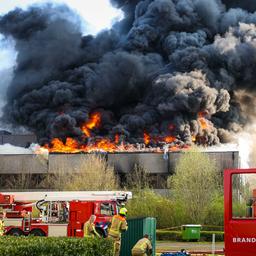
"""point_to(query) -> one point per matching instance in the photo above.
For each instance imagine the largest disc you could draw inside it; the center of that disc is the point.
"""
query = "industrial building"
(157, 165)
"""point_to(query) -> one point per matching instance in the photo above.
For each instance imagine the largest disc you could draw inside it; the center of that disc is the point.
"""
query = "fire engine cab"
(60, 213)
(240, 212)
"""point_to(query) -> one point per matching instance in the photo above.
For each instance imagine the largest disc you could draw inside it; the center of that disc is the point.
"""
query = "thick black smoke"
(159, 70)
(249, 5)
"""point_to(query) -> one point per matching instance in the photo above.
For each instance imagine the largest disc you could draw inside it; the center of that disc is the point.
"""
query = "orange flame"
(117, 137)
(94, 121)
(146, 138)
(112, 145)
(174, 148)
(70, 146)
(169, 139)
(202, 120)
(203, 123)
(101, 145)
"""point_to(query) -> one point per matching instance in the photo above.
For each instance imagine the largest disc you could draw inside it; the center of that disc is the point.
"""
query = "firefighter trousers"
(117, 245)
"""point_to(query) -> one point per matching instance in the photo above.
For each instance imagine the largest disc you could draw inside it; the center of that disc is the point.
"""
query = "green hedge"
(207, 236)
(176, 235)
(168, 235)
(54, 246)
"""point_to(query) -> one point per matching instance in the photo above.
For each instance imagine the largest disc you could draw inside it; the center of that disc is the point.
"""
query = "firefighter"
(2, 227)
(143, 247)
(89, 228)
(117, 226)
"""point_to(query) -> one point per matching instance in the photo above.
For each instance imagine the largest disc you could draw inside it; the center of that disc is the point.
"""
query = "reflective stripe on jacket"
(118, 224)
(142, 246)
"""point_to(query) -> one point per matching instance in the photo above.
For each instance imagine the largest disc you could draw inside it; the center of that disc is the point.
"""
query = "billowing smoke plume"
(171, 67)
(248, 5)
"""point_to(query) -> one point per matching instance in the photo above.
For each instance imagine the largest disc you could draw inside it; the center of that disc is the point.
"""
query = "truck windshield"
(243, 196)
(107, 209)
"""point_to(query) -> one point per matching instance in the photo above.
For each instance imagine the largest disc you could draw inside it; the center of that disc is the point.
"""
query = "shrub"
(46, 246)
(92, 173)
(207, 236)
(172, 235)
(168, 235)
(147, 203)
(194, 185)
(137, 178)
(215, 211)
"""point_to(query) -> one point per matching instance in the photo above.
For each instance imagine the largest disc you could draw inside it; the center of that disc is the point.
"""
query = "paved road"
(190, 246)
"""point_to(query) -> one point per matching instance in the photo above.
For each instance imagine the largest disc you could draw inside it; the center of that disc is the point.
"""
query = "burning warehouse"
(158, 166)
(169, 75)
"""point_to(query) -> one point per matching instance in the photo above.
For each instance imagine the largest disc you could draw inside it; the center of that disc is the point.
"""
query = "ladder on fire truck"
(53, 204)
(119, 196)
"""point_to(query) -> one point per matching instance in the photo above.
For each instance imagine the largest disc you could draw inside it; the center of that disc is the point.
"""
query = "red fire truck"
(61, 213)
(240, 224)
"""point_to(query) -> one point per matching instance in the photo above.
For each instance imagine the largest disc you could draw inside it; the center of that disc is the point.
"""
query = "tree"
(194, 184)
(137, 178)
(92, 173)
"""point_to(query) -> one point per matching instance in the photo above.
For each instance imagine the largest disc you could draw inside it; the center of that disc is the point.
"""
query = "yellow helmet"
(123, 211)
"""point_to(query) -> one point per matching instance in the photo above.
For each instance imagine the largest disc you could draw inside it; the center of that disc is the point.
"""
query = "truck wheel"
(15, 232)
(37, 232)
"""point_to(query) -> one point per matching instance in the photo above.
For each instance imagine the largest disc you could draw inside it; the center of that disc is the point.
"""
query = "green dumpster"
(191, 232)
(137, 228)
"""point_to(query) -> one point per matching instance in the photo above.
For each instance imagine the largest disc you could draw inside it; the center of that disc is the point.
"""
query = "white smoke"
(221, 148)
(37, 149)
(244, 143)
(8, 149)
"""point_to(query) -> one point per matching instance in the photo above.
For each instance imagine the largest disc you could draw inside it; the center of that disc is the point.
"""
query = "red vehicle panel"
(240, 233)
(80, 212)
(39, 227)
